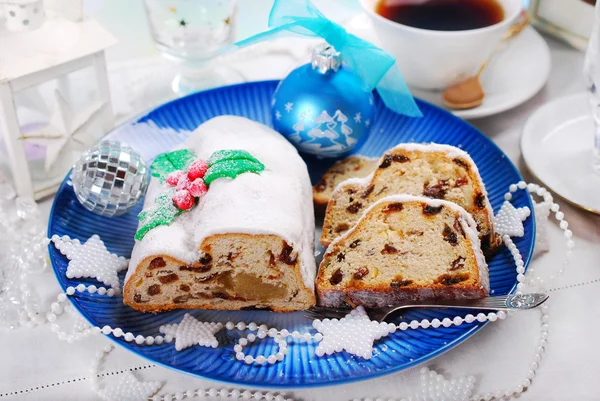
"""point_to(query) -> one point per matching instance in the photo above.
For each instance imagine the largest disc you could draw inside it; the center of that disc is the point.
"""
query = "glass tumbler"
(191, 32)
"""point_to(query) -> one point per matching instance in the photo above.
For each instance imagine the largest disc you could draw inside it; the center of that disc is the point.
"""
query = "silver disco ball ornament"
(110, 179)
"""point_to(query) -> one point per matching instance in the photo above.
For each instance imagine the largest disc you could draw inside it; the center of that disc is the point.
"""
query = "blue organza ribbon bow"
(375, 67)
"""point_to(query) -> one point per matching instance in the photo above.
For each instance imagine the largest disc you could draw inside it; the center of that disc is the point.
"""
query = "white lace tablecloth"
(35, 365)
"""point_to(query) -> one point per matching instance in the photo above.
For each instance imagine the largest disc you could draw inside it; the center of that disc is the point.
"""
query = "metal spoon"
(469, 93)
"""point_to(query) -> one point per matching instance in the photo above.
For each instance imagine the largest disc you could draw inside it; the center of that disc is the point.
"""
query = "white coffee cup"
(431, 59)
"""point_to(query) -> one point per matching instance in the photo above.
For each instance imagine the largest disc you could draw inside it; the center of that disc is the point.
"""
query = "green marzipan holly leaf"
(161, 213)
(232, 168)
(166, 163)
(230, 154)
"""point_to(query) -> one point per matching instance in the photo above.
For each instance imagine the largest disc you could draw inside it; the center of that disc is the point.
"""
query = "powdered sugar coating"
(277, 201)
(466, 221)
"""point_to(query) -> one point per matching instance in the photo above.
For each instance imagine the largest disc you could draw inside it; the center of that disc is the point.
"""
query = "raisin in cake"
(350, 167)
(404, 248)
(435, 171)
(249, 241)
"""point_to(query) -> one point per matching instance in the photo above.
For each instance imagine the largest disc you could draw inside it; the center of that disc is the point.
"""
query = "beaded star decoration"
(354, 333)
(192, 332)
(91, 259)
(130, 388)
(509, 220)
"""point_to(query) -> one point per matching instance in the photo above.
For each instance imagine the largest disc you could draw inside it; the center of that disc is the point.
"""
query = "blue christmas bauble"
(323, 111)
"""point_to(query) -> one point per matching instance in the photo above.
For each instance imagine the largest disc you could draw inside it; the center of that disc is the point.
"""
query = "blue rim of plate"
(456, 334)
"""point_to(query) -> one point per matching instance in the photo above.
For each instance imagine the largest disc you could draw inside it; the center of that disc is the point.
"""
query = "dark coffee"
(442, 15)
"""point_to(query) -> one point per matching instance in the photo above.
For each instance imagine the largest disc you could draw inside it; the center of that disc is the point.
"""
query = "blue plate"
(301, 368)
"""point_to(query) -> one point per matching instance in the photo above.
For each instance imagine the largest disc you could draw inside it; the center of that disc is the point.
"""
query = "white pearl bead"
(248, 359)
(241, 326)
(223, 393)
(229, 325)
(252, 326)
(522, 184)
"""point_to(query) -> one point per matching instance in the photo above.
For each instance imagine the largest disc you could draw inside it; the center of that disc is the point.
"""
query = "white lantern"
(23, 15)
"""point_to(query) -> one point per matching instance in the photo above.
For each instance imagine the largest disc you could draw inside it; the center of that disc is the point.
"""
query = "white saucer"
(516, 73)
(557, 145)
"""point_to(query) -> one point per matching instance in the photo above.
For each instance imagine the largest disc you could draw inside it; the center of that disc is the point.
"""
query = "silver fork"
(503, 302)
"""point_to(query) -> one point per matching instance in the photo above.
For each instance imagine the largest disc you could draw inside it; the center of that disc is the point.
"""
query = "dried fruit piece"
(399, 282)
(449, 235)
(199, 269)
(460, 182)
(341, 227)
(457, 263)
(458, 227)
(184, 287)
(388, 250)
(169, 278)
(393, 208)
(436, 191)
(341, 256)
(354, 207)
(386, 162)
(368, 191)
(360, 273)
(448, 280)
(206, 259)
(336, 277)
(182, 299)
(461, 163)
(285, 255)
(429, 210)
(480, 200)
(354, 244)
(154, 289)
(157, 263)
(400, 159)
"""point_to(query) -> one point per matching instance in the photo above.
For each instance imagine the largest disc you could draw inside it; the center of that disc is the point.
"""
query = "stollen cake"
(435, 171)
(246, 242)
(350, 167)
(404, 248)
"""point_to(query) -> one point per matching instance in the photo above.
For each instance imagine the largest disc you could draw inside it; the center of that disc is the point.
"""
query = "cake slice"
(350, 167)
(404, 248)
(435, 171)
(246, 242)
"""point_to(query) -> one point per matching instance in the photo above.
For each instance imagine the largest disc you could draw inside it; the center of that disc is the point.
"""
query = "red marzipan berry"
(173, 177)
(197, 169)
(183, 199)
(197, 187)
(183, 182)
